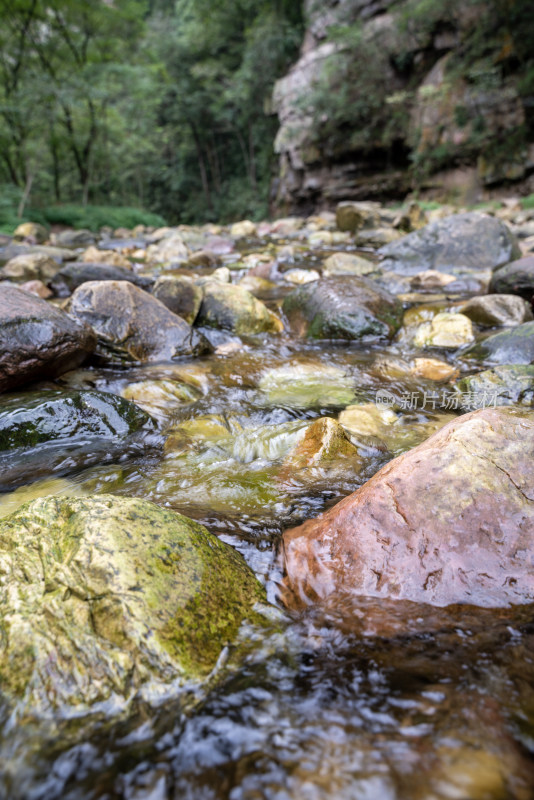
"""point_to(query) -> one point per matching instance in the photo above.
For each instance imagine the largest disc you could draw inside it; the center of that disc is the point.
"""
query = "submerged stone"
(325, 447)
(307, 385)
(100, 596)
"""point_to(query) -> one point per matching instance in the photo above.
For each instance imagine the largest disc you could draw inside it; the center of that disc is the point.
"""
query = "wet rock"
(433, 369)
(242, 230)
(445, 330)
(133, 326)
(471, 240)
(93, 255)
(102, 596)
(72, 239)
(352, 216)
(323, 447)
(180, 295)
(37, 288)
(73, 275)
(515, 278)
(347, 264)
(204, 258)
(377, 237)
(37, 340)
(475, 477)
(368, 419)
(259, 287)
(497, 309)
(343, 308)
(171, 251)
(514, 346)
(30, 267)
(160, 398)
(52, 431)
(31, 230)
(500, 386)
(234, 309)
(431, 280)
(307, 385)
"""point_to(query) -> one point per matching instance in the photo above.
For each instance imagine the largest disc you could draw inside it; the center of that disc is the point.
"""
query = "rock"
(411, 218)
(343, 308)
(301, 276)
(102, 596)
(514, 346)
(180, 295)
(431, 280)
(204, 258)
(37, 288)
(12, 250)
(221, 275)
(471, 240)
(324, 447)
(497, 309)
(347, 264)
(37, 340)
(133, 326)
(93, 255)
(31, 230)
(71, 276)
(171, 251)
(29, 267)
(259, 287)
(72, 239)
(500, 386)
(354, 216)
(233, 308)
(433, 369)
(515, 278)
(160, 398)
(377, 237)
(368, 419)
(242, 230)
(300, 384)
(52, 431)
(474, 477)
(445, 330)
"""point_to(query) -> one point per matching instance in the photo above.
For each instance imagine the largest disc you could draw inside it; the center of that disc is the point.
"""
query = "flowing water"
(375, 702)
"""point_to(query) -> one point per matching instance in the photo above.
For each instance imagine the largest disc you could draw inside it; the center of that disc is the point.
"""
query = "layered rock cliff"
(388, 97)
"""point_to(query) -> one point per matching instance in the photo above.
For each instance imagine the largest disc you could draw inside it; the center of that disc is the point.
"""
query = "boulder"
(451, 521)
(31, 230)
(445, 330)
(102, 596)
(515, 278)
(351, 216)
(30, 267)
(514, 346)
(500, 386)
(343, 308)
(493, 310)
(233, 308)
(131, 325)
(347, 264)
(37, 340)
(471, 240)
(73, 275)
(54, 431)
(180, 295)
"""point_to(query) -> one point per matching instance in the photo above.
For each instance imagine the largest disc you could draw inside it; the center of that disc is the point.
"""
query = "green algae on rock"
(101, 595)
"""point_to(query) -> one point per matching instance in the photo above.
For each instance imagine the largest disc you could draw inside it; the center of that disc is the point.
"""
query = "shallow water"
(378, 702)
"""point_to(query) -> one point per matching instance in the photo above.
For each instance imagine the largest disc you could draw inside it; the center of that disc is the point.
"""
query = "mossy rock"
(500, 386)
(100, 595)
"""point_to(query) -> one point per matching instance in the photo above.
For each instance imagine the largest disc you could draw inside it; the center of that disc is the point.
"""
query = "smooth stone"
(343, 308)
(451, 521)
(29, 267)
(257, 286)
(73, 275)
(37, 288)
(470, 240)
(180, 295)
(431, 280)
(243, 229)
(515, 278)
(433, 369)
(93, 255)
(170, 251)
(513, 346)
(378, 237)
(323, 448)
(105, 597)
(500, 386)
(301, 276)
(30, 230)
(307, 385)
(493, 310)
(234, 309)
(352, 216)
(347, 264)
(78, 238)
(131, 325)
(54, 431)
(368, 419)
(445, 330)
(38, 340)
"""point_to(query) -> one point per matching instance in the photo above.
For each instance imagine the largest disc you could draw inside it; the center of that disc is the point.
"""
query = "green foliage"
(528, 202)
(96, 217)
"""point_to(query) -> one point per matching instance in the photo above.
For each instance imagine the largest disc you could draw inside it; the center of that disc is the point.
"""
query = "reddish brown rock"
(451, 521)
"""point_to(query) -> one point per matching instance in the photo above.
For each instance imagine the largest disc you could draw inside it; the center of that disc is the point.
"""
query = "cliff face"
(388, 97)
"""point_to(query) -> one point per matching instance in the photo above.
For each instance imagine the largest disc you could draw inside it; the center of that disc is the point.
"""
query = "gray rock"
(515, 278)
(73, 275)
(500, 386)
(515, 346)
(497, 309)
